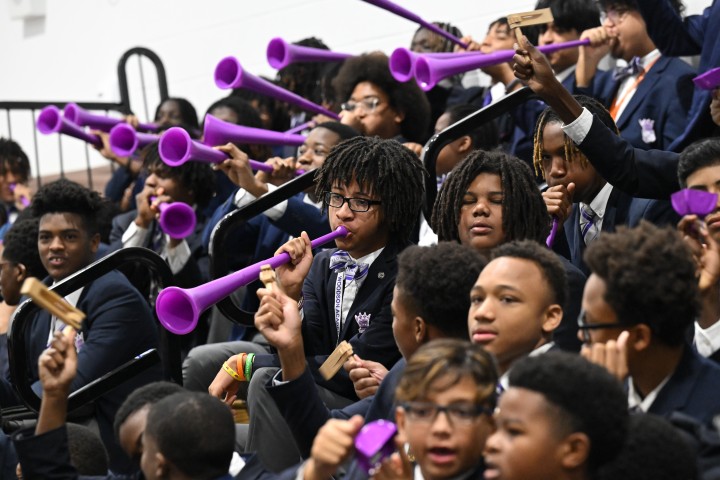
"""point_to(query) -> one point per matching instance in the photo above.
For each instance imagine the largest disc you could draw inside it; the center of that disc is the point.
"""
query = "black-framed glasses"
(368, 105)
(584, 327)
(336, 200)
(615, 14)
(459, 414)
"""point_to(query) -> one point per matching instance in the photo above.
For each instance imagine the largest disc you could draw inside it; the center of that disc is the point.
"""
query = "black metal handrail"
(17, 349)
(463, 127)
(218, 248)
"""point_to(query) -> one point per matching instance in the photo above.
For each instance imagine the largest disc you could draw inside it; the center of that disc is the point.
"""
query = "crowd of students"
(552, 317)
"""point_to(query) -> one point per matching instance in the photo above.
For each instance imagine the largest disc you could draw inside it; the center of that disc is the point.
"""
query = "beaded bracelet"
(228, 369)
(248, 365)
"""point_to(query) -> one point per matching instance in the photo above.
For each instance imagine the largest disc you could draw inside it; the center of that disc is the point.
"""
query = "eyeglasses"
(614, 15)
(585, 327)
(457, 414)
(336, 200)
(367, 105)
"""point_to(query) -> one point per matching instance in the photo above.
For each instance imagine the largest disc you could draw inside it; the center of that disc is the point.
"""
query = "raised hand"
(612, 355)
(224, 386)
(292, 275)
(238, 170)
(57, 365)
(278, 319)
(559, 201)
(366, 375)
(333, 445)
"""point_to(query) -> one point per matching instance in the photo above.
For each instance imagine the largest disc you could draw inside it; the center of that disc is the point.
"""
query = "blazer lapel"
(641, 94)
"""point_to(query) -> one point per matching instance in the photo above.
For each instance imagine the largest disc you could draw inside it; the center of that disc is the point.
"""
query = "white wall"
(72, 53)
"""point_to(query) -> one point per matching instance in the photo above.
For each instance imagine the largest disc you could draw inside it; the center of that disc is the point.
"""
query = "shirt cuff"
(243, 197)
(134, 236)
(578, 129)
(176, 257)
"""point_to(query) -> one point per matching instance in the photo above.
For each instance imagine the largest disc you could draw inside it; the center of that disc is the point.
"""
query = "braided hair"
(524, 214)
(383, 168)
(571, 151)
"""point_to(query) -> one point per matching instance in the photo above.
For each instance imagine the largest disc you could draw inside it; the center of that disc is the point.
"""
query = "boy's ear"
(399, 116)
(640, 337)
(95, 242)
(21, 273)
(420, 329)
(162, 466)
(465, 144)
(553, 317)
(574, 451)
(400, 422)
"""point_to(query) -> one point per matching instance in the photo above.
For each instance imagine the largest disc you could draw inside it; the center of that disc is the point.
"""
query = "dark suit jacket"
(621, 209)
(692, 389)
(637, 172)
(663, 96)
(304, 411)
(118, 327)
(694, 35)
(195, 271)
(320, 335)
(565, 335)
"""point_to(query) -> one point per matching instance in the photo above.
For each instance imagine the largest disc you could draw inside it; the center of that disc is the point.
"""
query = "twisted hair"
(14, 159)
(524, 212)
(384, 168)
(448, 361)
(572, 152)
(406, 98)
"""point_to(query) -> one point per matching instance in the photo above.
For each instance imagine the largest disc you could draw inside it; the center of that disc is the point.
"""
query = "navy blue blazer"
(694, 35)
(692, 389)
(637, 172)
(663, 96)
(320, 336)
(621, 209)
(197, 268)
(119, 326)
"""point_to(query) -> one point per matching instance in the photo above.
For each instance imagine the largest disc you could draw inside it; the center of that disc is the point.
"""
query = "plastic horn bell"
(23, 199)
(51, 121)
(177, 219)
(179, 309)
(230, 74)
(176, 147)
(82, 117)
(280, 54)
(401, 12)
(124, 140)
(429, 71)
(402, 61)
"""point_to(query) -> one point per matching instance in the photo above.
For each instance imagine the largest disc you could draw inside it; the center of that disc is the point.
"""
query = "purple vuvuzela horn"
(230, 74)
(124, 140)
(402, 12)
(280, 54)
(179, 309)
(177, 219)
(218, 132)
(82, 117)
(51, 120)
(402, 61)
(429, 71)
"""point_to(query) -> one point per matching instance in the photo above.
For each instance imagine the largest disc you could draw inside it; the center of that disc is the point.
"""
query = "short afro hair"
(546, 260)
(483, 137)
(194, 431)
(525, 215)
(21, 246)
(587, 398)
(387, 170)
(340, 129)
(188, 114)
(579, 15)
(64, 196)
(436, 282)
(87, 451)
(142, 397)
(14, 160)
(654, 450)
(701, 154)
(649, 275)
(406, 98)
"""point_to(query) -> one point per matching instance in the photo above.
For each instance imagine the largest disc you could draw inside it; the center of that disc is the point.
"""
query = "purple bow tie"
(341, 260)
(633, 67)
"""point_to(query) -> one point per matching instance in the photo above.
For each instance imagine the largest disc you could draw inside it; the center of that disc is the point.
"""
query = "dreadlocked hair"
(524, 214)
(383, 168)
(572, 153)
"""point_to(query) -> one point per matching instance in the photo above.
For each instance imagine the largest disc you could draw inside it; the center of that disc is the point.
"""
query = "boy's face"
(169, 114)
(11, 277)
(562, 59)
(404, 324)
(595, 310)
(171, 186)
(511, 311)
(372, 114)
(445, 447)
(498, 37)
(526, 442)
(367, 230)
(426, 41)
(316, 147)
(64, 244)
(481, 222)
(707, 179)
(629, 30)
(131, 432)
(8, 179)
(559, 171)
